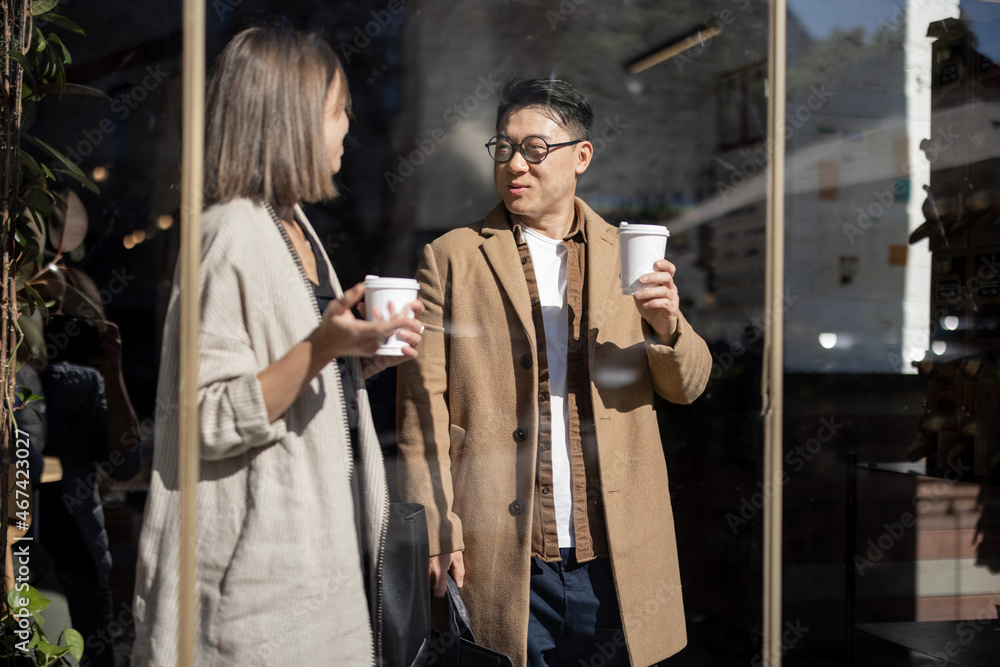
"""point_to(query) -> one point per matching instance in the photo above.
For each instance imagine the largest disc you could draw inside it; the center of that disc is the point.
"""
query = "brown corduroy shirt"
(588, 516)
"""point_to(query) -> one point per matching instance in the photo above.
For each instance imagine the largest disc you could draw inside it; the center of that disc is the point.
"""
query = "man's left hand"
(658, 302)
(371, 366)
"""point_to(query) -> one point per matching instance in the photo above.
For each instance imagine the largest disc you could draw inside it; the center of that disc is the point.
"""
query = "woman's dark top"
(324, 295)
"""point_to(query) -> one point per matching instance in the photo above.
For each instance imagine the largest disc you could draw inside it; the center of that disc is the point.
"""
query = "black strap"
(458, 614)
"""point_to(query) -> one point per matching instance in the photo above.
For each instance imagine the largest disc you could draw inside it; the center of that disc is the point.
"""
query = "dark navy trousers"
(574, 619)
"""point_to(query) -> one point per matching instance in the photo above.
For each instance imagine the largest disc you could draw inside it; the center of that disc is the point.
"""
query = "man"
(527, 427)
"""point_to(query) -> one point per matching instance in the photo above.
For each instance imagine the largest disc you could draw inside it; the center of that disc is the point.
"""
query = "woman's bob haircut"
(264, 131)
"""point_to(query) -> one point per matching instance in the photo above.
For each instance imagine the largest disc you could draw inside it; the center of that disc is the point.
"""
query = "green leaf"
(82, 295)
(31, 600)
(51, 651)
(29, 398)
(79, 89)
(36, 602)
(43, 6)
(74, 640)
(19, 57)
(55, 65)
(66, 57)
(28, 114)
(29, 250)
(84, 181)
(55, 153)
(73, 89)
(33, 296)
(38, 200)
(31, 331)
(30, 291)
(50, 70)
(28, 160)
(64, 23)
(25, 65)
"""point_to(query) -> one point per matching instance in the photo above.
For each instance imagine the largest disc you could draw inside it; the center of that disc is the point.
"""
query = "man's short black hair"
(569, 108)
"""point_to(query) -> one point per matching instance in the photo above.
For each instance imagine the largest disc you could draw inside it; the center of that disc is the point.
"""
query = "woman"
(283, 577)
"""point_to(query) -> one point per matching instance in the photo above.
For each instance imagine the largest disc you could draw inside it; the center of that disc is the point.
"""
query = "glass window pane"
(890, 238)
(679, 140)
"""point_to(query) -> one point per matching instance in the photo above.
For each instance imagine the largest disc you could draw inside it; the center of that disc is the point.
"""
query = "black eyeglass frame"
(519, 148)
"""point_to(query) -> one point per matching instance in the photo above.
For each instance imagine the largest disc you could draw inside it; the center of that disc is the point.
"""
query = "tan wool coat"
(279, 569)
(475, 384)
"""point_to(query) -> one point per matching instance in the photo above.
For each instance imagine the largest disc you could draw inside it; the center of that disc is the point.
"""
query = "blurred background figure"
(89, 434)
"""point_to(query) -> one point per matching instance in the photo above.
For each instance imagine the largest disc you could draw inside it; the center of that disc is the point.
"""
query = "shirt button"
(524, 260)
(516, 507)
(545, 490)
(545, 447)
(544, 396)
(526, 361)
(520, 434)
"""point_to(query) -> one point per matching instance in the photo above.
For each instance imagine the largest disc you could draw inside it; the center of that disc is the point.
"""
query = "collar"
(577, 232)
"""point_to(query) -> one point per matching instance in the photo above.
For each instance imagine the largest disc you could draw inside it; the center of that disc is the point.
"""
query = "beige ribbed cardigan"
(279, 574)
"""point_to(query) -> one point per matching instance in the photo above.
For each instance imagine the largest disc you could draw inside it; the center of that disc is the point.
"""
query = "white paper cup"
(379, 293)
(639, 246)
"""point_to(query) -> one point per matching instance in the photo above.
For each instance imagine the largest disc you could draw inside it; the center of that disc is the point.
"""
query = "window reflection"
(891, 216)
(890, 303)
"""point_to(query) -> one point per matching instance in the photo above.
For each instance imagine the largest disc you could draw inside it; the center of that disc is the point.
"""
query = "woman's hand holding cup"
(409, 338)
(341, 333)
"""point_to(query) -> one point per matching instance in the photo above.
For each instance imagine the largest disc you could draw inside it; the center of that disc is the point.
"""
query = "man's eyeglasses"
(532, 149)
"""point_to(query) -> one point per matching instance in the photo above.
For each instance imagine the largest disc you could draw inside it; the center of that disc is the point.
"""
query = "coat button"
(524, 260)
(521, 434)
(516, 507)
(526, 361)
(544, 396)
(545, 490)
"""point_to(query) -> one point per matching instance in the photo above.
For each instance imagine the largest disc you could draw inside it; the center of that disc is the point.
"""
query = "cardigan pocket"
(236, 626)
(294, 580)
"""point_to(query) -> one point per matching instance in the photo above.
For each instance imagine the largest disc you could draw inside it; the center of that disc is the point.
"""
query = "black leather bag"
(455, 645)
(405, 588)
(408, 636)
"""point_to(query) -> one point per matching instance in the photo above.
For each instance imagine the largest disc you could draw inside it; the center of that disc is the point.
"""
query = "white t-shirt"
(548, 256)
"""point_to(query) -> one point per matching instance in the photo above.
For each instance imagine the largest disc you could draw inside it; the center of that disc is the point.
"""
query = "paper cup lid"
(657, 230)
(390, 283)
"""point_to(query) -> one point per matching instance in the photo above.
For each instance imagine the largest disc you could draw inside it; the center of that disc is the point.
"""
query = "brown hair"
(264, 130)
